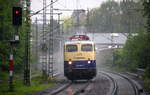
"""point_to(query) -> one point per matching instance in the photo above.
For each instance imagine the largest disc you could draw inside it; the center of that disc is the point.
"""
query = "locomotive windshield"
(71, 48)
(87, 47)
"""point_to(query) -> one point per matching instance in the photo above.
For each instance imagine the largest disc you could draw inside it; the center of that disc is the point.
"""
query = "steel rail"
(136, 90)
(115, 88)
(81, 90)
(60, 89)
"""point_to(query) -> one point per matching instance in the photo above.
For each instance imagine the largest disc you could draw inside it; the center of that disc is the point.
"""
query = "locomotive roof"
(82, 42)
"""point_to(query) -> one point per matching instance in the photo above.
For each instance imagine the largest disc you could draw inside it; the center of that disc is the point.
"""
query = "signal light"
(17, 12)
(17, 16)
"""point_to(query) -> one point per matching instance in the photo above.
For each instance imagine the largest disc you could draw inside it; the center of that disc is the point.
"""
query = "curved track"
(114, 89)
(118, 85)
(57, 91)
(125, 85)
(72, 88)
(88, 87)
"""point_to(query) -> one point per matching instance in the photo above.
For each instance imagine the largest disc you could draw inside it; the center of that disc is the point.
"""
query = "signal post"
(11, 71)
(16, 22)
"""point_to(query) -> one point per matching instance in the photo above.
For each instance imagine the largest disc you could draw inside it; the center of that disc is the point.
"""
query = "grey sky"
(67, 4)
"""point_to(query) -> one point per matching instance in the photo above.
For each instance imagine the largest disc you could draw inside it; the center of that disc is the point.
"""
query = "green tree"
(146, 4)
(135, 53)
(111, 16)
(68, 23)
(7, 32)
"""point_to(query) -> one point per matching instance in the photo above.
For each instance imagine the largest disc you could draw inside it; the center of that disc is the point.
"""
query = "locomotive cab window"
(87, 47)
(71, 48)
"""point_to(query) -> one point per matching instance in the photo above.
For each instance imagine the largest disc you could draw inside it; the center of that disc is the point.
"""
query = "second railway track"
(89, 87)
(106, 83)
(125, 85)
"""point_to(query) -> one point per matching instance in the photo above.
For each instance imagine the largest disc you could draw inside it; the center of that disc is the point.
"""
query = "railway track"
(82, 87)
(82, 90)
(125, 85)
(74, 88)
(57, 91)
(136, 90)
(114, 83)
(119, 84)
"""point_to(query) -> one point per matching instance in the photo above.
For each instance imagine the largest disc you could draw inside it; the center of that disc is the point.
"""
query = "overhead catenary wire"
(62, 5)
(43, 8)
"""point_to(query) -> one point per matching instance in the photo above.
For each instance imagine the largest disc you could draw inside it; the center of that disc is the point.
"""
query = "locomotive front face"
(79, 59)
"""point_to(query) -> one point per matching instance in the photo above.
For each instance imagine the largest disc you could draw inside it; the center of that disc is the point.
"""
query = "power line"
(43, 8)
(62, 5)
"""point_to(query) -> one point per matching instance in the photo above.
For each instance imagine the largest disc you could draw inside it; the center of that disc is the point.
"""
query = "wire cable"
(43, 8)
(62, 5)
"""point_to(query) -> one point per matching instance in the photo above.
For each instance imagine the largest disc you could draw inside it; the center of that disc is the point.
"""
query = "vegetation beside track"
(136, 52)
(38, 84)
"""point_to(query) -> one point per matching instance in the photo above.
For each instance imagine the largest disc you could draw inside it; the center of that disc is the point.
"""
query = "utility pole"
(87, 22)
(112, 31)
(59, 24)
(51, 42)
(78, 19)
(36, 40)
(126, 4)
(27, 46)
(44, 46)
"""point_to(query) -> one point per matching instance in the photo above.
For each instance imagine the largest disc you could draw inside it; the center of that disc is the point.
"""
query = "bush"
(147, 73)
(4, 66)
(136, 53)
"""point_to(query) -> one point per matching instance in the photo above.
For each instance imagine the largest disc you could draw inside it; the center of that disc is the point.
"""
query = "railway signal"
(16, 21)
(17, 16)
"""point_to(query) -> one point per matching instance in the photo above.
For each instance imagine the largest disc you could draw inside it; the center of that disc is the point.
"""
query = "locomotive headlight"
(89, 61)
(70, 62)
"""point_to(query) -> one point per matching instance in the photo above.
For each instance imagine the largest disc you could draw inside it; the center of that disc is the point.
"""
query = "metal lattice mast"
(44, 55)
(36, 41)
(78, 19)
(87, 21)
(127, 6)
(27, 45)
(51, 46)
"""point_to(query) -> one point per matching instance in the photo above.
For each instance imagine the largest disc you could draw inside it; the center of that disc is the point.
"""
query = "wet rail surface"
(105, 83)
(137, 78)
(114, 87)
(73, 88)
(125, 85)
(100, 85)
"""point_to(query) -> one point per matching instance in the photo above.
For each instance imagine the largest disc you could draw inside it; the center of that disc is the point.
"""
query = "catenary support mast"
(51, 42)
